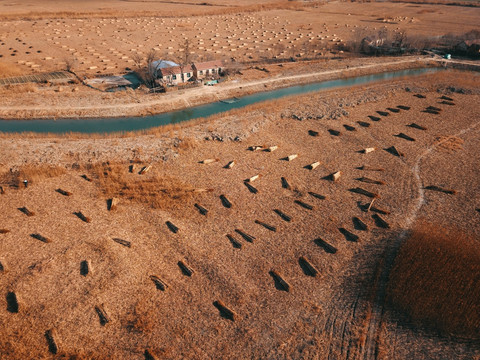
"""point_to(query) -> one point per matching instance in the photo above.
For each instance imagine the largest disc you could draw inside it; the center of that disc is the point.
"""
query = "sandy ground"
(109, 44)
(328, 316)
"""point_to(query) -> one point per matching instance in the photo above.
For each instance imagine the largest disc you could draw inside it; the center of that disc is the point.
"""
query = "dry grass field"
(340, 224)
(193, 260)
(106, 38)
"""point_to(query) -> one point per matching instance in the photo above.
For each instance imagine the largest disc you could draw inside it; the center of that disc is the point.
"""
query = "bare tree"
(70, 63)
(307, 49)
(153, 66)
(400, 39)
(358, 42)
(292, 52)
(184, 58)
(147, 67)
(279, 50)
(137, 60)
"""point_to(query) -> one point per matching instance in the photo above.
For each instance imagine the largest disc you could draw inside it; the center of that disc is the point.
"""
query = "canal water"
(124, 124)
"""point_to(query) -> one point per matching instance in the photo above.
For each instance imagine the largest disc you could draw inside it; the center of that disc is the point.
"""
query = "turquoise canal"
(111, 125)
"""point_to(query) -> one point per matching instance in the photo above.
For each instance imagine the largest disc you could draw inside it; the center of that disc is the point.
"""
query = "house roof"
(214, 64)
(175, 70)
(160, 64)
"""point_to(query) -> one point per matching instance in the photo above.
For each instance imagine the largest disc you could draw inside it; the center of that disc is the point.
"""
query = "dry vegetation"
(436, 280)
(31, 173)
(131, 246)
(7, 69)
(469, 3)
(121, 180)
(192, 11)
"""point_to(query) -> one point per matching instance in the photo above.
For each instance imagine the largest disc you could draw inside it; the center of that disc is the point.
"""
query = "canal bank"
(127, 124)
(76, 102)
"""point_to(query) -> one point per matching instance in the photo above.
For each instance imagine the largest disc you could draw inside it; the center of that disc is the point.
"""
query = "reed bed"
(435, 280)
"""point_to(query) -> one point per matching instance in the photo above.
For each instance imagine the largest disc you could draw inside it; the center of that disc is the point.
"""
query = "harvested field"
(107, 39)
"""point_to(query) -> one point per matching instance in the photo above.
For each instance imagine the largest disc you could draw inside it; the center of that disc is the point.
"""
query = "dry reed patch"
(31, 173)
(9, 70)
(19, 89)
(154, 189)
(449, 143)
(435, 280)
(186, 144)
(107, 13)
(457, 78)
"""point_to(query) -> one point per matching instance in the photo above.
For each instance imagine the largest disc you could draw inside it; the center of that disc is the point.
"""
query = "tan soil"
(328, 316)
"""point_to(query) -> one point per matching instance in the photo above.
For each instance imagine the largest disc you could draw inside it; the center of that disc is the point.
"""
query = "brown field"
(109, 43)
(436, 281)
(86, 282)
(340, 224)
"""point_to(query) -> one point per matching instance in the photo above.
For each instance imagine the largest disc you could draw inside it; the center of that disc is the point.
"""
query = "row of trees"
(388, 42)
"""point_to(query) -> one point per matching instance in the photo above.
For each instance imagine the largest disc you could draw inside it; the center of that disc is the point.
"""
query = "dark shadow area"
(40, 237)
(363, 124)
(84, 268)
(236, 244)
(225, 202)
(247, 237)
(26, 211)
(12, 303)
(416, 126)
(52, 345)
(358, 224)
(102, 315)
(330, 249)
(307, 267)
(201, 209)
(171, 227)
(266, 226)
(63, 192)
(379, 222)
(334, 132)
(404, 136)
(393, 150)
(280, 283)
(250, 187)
(125, 243)
(282, 215)
(349, 236)
(81, 216)
(186, 270)
(225, 312)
